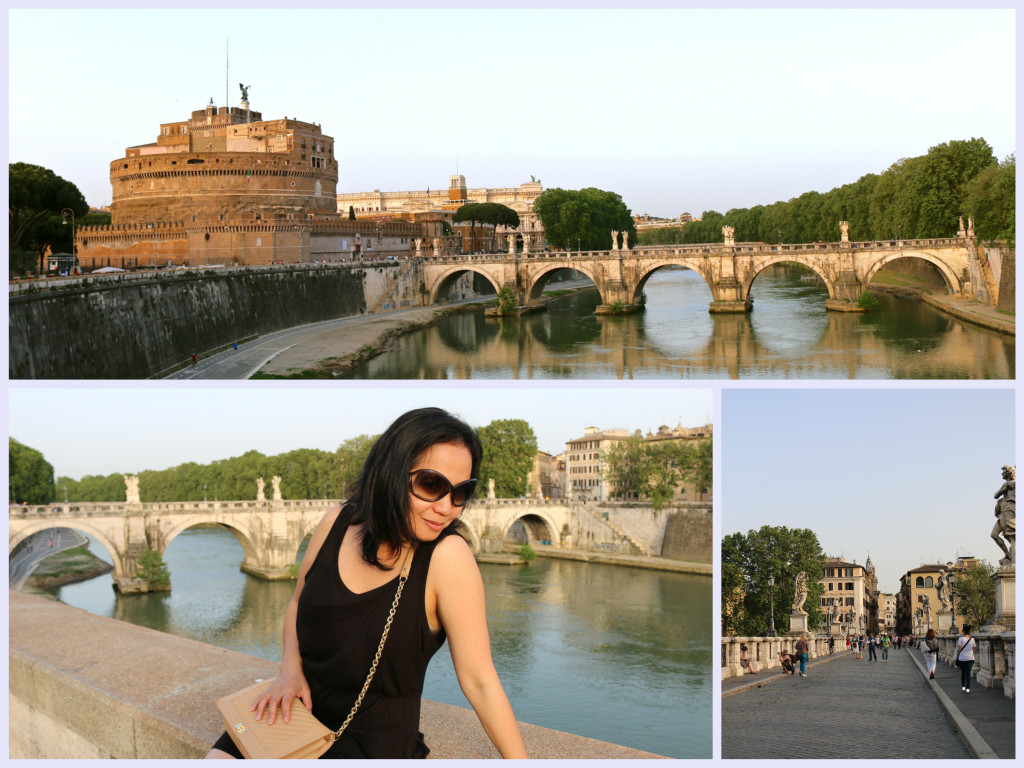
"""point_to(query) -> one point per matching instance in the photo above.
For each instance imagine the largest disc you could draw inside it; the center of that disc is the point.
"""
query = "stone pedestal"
(797, 623)
(944, 620)
(1005, 618)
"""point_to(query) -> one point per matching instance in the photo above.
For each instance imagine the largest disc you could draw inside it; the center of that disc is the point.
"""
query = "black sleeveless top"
(338, 633)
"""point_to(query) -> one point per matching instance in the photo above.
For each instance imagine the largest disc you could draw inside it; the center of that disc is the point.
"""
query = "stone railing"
(995, 659)
(88, 687)
(764, 651)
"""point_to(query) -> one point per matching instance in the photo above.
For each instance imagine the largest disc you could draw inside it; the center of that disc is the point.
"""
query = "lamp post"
(771, 606)
(74, 258)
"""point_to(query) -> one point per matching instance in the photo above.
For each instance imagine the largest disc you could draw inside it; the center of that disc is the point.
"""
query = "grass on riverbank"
(66, 566)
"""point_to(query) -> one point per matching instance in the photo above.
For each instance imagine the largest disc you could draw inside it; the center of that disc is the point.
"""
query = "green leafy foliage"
(30, 475)
(153, 570)
(487, 213)
(507, 302)
(637, 468)
(510, 450)
(867, 301)
(526, 554)
(975, 595)
(38, 194)
(991, 200)
(749, 559)
(583, 218)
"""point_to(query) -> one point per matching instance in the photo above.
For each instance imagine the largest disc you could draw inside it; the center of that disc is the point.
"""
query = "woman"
(965, 645)
(746, 665)
(931, 652)
(802, 647)
(412, 488)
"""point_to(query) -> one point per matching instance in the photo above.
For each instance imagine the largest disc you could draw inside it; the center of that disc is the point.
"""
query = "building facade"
(586, 460)
(849, 597)
(410, 204)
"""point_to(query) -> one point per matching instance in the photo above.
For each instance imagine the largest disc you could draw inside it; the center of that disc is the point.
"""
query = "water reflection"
(789, 334)
(617, 654)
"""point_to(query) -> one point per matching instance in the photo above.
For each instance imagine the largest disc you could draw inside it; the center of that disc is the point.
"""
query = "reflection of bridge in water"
(729, 269)
(271, 532)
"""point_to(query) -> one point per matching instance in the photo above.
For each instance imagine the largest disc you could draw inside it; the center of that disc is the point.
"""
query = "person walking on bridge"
(406, 501)
(872, 646)
(886, 642)
(802, 647)
(931, 653)
(965, 645)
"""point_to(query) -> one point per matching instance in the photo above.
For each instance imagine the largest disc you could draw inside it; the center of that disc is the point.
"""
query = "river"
(789, 334)
(609, 652)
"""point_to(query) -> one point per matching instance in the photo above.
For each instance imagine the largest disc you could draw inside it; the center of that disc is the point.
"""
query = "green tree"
(30, 475)
(495, 214)
(507, 301)
(35, 194)
(351, 213)
(627, 467)
(349, 460)
(583, 218)
(153, 570)
(779, 552)
(975, 595)
(636, 468)
(991, 199)
(526, 554)
(510, 450)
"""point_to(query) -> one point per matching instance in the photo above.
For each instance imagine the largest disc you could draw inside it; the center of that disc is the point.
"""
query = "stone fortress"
(226, 187)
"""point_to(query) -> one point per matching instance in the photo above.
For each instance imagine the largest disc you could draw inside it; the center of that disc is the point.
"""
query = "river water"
(609, 652)
(789, 334)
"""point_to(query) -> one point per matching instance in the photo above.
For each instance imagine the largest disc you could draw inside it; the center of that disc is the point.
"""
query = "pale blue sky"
(101, 430)
(906, 475)
(676, 110)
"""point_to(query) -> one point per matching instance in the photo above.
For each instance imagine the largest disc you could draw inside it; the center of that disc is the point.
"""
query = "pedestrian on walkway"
(746, 665)
(802, 647)
(847, 642)
(872, 647)
(194, 358)
(965, 645)
(886, 642)
(831, 645)
(931, 652)
(787, 663)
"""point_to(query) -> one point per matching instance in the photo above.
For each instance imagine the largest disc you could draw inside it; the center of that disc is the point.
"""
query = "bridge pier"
(618, 308)
(842, 305)
(744, 305)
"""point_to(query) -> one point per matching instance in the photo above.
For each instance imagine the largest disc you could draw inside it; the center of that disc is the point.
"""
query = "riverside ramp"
(84, 686)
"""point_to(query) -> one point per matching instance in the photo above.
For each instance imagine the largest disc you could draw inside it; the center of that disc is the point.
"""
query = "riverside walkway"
(847, 708)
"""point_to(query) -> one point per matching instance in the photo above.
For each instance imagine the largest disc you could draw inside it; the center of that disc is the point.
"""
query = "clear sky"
(906, 475)
(102, 430)
(676, 110)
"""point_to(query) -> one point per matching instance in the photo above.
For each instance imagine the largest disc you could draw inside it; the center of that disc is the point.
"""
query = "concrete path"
(844, 708)
(974, 312)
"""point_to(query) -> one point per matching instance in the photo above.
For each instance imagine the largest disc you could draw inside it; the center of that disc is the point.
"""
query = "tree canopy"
(30, 475)
(510, 450)
(583, 218)
(38, 195)
(918, 197)
(487, 213)
(747, 562)
(637, 468)
(974, 594)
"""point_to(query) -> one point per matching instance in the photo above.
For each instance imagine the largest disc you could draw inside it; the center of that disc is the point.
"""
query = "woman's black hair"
(967, 629)
(380, 495)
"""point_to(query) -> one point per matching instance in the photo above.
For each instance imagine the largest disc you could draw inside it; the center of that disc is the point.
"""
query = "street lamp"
(74, 258)
(771, 606)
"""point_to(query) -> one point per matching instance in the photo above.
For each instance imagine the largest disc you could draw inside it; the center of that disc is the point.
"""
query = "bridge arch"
(538, 525)
(536, 282)
(637, 291)
(249, 550)
(953, 283)
(34, 527)
(790, 258)
(444, 282)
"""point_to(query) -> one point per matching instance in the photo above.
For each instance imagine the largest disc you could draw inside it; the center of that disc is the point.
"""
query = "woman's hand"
(284, 690)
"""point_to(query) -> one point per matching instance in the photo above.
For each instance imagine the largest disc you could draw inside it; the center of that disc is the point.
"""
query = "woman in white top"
(965, 645)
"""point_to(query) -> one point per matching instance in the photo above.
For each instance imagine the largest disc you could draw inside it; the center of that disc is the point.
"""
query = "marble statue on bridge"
(615, 240)
(490, 488)
(1005, 531)
(277, 488)
(131, 485)
(260, 496)
(730, 235)
(801, 592)
(844, 231)
(942, 592)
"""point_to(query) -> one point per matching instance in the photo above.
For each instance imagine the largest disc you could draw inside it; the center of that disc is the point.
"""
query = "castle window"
(919, 582)
(928, 582)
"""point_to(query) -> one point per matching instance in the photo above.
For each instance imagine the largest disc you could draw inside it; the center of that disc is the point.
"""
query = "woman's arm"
(291, 683)
(459, 590)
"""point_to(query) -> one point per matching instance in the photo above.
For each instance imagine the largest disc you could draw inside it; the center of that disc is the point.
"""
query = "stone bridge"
(729, 269)
(271, 532)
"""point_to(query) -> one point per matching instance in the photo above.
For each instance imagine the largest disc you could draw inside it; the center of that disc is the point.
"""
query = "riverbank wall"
(88, 687)
(140, 325)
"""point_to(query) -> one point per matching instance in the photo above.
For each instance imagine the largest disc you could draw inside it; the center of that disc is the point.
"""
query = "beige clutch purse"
(302, 737)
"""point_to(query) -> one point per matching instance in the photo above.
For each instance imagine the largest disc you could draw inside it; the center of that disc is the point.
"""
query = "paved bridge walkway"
(846, 708)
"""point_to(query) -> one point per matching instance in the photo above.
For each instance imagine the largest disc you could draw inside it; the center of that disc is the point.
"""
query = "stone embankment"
(960, 307)
(87, 687)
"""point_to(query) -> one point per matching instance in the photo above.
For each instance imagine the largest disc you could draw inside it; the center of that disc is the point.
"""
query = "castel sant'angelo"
(227, 187)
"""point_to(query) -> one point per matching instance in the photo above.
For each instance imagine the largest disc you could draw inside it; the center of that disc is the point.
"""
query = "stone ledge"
(84, 686)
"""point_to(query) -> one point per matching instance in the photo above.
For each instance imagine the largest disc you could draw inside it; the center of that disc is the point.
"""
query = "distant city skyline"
(100, 431)
(904, 475)
(676, 110)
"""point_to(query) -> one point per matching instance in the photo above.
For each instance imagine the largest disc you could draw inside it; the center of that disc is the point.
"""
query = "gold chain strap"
(380, 648)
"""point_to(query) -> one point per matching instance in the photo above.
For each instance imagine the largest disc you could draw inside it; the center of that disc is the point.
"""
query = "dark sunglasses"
(429, 485)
